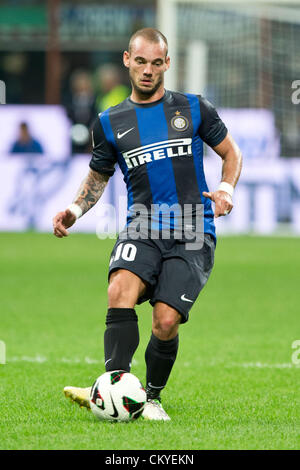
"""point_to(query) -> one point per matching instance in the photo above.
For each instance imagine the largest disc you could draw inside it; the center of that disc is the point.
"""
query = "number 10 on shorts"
(125, 251)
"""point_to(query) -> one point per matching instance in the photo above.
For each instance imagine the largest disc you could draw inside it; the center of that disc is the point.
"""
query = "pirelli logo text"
(157, 151)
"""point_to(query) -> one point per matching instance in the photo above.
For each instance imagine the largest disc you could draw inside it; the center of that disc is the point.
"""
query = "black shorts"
(173, 274)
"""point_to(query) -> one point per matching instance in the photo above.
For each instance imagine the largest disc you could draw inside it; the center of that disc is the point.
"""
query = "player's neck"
(137, 97)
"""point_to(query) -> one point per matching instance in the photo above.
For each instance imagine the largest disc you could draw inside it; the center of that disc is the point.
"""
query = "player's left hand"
(222, 200)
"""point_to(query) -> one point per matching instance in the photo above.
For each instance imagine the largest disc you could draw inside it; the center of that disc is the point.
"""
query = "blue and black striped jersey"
(159, 148)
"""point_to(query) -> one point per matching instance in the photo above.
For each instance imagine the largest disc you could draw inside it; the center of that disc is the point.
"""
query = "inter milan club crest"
(179, 123)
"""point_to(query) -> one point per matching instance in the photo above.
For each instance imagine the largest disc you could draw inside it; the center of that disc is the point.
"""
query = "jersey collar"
(154, 103)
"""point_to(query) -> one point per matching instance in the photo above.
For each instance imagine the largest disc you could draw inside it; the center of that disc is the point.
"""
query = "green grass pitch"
(233, 386)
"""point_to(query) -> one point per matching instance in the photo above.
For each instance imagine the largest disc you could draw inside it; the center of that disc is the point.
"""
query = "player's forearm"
(232, 160)
(90, 190)
(232, 165)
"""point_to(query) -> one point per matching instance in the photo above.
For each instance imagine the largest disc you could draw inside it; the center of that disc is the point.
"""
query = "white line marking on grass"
(255, 365)
(262, 365)
(39, 359)
(246, 365)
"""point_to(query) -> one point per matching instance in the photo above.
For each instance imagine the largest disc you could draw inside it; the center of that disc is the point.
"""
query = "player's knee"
(124, 289)
(116, 292)
(121, 291)
(165, 326)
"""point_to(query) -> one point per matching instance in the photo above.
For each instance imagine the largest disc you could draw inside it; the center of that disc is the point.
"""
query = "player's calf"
(160, 357)
(121, 338)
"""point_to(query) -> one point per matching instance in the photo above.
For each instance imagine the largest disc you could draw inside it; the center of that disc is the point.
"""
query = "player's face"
(147, 63)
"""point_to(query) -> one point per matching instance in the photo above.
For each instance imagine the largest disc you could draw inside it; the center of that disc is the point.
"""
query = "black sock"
(121, 338)
(160, 356)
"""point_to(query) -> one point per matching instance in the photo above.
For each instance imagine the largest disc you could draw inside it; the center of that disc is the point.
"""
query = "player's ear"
(126, 58)
(167, 62)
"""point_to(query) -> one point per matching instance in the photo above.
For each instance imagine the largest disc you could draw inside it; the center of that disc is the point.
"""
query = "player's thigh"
(183, 276)
(142, 259)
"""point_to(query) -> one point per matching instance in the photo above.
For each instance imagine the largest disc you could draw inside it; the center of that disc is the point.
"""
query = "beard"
(148, 92)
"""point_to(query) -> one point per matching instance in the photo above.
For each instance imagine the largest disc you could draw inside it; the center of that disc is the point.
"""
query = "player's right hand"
(62, 221)
(222, 200)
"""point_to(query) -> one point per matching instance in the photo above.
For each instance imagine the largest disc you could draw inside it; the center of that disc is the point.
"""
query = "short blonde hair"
(151, 35)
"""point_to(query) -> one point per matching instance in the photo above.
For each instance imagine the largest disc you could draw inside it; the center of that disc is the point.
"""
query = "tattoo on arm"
(90, 190)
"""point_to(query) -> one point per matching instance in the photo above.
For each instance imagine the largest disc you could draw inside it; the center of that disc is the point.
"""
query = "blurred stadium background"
(234, 384)
(61, 62)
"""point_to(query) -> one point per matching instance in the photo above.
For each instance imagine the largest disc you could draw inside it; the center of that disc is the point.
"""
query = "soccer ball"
(117, 396)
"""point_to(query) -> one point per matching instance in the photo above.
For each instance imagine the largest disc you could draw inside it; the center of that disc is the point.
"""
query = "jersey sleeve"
(212, 129)
(103, 156)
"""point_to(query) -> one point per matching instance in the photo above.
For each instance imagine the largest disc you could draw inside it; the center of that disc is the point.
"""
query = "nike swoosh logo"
(116, 414)
(119, 136)
(107, 361)
(153, 386)
(183, 297)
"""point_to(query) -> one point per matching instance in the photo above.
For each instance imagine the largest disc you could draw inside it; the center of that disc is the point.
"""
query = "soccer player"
(156, 136)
